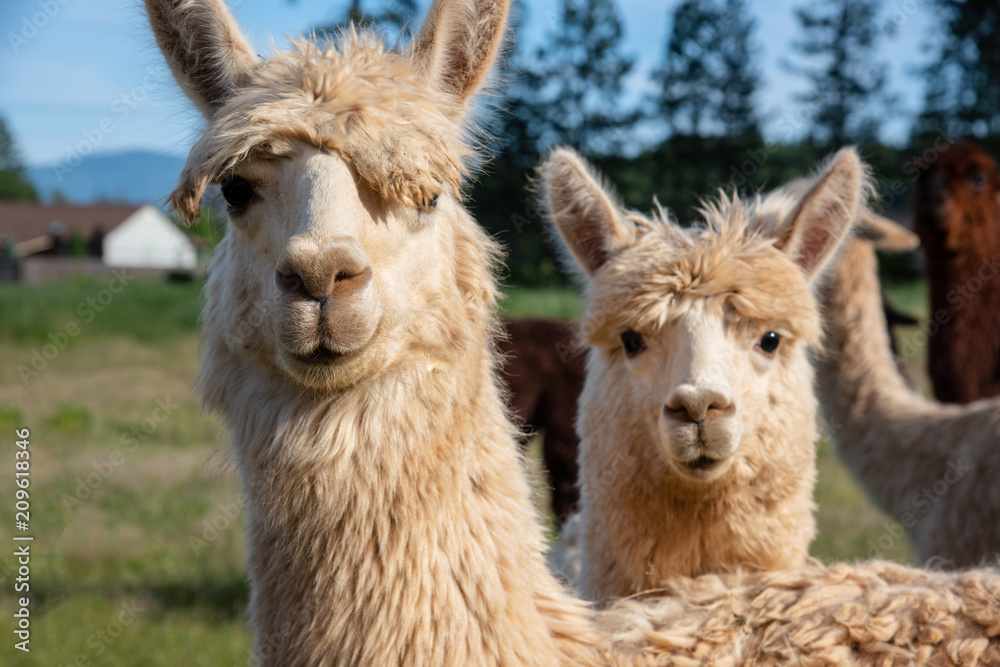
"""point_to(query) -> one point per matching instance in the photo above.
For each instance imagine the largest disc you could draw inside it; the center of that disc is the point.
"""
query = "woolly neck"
(868, 404)
(391, 523)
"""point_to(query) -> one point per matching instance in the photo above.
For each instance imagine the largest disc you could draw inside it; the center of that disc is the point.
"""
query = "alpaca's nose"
(338, 268)
(689, 403)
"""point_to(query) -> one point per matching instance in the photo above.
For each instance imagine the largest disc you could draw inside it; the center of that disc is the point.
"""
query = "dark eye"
(430, 205)
(979, 180)
(769, 342)
(632, 342)
(238, 192)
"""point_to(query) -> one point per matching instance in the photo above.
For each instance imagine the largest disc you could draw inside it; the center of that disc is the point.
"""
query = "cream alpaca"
(932, 467)
(388, 521)
(389, 518)
(647, 283)
(697, 420)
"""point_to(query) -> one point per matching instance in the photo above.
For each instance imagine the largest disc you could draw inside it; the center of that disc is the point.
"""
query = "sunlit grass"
(130, 503)
(145, 309)
(562, 303)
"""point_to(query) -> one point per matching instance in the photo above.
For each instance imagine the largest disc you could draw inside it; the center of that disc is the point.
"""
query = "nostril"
(348, 282)
(719, 401)
(678, 414)
(720, 410)
(291, 283)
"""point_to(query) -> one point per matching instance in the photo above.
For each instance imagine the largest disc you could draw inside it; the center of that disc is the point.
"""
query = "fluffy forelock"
(355, 96)
(728, 258)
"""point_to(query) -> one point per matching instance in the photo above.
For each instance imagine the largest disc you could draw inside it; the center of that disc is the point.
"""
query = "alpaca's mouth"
(702, 463)
(321, 356)
(703, 468)
(326, 368)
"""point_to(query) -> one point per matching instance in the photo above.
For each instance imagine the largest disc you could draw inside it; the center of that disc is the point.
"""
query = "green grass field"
(138, 552)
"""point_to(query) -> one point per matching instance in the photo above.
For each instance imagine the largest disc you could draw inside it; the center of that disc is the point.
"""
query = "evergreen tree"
(848, 83)
(708, 77)
(501, 200)
(738, 76)
(938, 113)
(13, 182)
(963, 81)
(578, 79)
(685, 79)
(518, 120)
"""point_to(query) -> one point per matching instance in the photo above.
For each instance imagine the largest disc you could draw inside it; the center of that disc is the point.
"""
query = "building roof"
(25, 220)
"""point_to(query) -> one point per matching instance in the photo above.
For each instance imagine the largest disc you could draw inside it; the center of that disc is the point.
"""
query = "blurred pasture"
(139, 550)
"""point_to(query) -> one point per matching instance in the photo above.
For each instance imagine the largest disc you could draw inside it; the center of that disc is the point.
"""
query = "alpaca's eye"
(238, 192)
(632, 342)
(430, 205)
(769, 342)
(979, 180)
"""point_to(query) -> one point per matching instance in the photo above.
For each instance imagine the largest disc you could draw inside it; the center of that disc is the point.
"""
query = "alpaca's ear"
(587, 217)
(204, 47)
(825, 214)
(459, 42)
(885, 234)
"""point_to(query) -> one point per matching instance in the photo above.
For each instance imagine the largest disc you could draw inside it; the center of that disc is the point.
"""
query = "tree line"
(698, 125)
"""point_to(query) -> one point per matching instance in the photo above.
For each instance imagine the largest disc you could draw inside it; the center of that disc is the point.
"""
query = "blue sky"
(87, 73)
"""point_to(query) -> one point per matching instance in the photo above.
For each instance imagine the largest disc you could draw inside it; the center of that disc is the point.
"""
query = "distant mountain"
(134, 177)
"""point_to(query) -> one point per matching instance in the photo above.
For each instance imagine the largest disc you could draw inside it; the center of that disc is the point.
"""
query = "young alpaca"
(543, 370)
(932, 467)
(748, 274)
(698, 379)
(347, 347)
(958, 219)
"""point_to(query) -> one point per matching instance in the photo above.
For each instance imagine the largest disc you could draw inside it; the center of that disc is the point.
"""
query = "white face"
(339, 266)
(721, 384)
(700, 379)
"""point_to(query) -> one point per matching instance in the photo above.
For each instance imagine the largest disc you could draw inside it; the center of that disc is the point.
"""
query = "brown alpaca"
(543, 370)
(957, 217)
(931, 467)
(347, 342)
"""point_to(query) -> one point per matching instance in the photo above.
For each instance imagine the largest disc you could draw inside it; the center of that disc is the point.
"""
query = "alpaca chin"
(702, 451)
(329, 369)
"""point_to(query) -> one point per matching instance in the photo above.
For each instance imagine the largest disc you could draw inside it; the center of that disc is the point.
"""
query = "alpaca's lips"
(321, 356)
(327, 368)
(702, 463)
